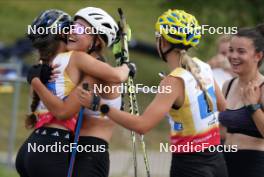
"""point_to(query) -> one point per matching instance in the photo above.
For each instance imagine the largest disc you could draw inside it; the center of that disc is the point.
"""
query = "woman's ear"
(97, 42)
(100, 42)
(259, 56)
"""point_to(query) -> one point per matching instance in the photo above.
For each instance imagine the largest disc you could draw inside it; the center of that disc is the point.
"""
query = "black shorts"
(245, 163)
(199, 164)
(94, 160)
(44, 164)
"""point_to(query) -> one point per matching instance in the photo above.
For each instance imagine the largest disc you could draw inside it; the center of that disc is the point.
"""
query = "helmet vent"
(92, 14)
(106, 25)
(170, 19)
(177, 37)
(189, 36)
(175, 15)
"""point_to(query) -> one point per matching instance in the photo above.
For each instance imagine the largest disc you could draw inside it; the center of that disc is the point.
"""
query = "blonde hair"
(187, 62)
(224, 38)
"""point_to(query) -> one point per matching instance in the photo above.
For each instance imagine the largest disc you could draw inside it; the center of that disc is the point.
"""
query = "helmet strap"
(93, 48)
(164, 54)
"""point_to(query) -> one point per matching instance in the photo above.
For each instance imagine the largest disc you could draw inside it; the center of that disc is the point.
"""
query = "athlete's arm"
(253, 95)
(95, 68)
(154, 113)
(60, 109)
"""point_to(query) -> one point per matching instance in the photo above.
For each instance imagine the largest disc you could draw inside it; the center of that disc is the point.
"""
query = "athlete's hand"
(132, 68)
(85, 97)
(250, 94)
(54, 72)
(42, 71)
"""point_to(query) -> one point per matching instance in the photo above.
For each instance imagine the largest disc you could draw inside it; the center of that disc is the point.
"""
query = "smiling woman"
(243, 55)
(244, 115)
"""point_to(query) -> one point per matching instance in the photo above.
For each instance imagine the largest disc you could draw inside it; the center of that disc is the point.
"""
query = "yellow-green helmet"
(179, 27)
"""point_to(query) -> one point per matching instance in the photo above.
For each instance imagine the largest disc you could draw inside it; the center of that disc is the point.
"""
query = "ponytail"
(31, 119)
(187, 62)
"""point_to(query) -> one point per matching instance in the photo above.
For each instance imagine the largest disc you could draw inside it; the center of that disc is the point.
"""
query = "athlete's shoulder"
(174, 83)
(177, 72)
(170, 80)
(80, 56)
(78, 53)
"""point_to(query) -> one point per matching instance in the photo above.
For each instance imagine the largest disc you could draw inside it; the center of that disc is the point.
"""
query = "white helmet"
(100, 20)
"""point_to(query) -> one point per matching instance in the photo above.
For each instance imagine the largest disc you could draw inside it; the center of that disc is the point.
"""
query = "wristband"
(104, 108)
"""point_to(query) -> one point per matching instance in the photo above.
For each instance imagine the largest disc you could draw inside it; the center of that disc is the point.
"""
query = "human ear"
(258, 56)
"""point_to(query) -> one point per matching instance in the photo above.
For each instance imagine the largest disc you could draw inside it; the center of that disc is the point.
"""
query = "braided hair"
(187, 62)
(47, 48)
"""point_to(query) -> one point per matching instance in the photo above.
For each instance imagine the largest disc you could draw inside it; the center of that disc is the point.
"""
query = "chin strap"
(164, 54)
(93, 48)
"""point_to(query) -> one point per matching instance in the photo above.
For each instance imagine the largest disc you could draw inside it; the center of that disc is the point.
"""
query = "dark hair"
(257, 36)
(47, 48)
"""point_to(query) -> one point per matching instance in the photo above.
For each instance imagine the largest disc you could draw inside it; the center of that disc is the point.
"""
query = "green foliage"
(141, 15)
(5, 172)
